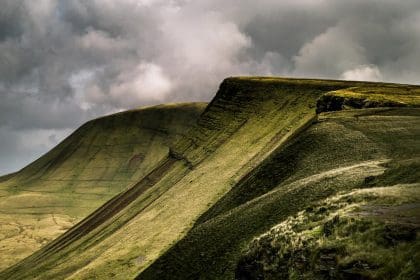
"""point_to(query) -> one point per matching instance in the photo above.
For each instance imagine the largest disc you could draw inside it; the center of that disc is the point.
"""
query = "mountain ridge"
(233, 165)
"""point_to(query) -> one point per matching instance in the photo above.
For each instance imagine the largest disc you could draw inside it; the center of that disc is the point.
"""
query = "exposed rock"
(330, 102)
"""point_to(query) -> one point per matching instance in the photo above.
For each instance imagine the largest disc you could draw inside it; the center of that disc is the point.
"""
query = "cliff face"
(369, 96)
(257, 156)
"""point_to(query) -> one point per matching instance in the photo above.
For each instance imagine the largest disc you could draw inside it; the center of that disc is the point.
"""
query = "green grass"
(368, 233)
(99, 160)
(148, 226)
(311, 168)
(256, 156)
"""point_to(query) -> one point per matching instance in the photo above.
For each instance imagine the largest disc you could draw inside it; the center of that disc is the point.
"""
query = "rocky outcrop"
(330, 102)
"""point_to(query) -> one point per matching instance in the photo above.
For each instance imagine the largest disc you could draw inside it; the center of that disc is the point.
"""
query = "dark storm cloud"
(63, 62)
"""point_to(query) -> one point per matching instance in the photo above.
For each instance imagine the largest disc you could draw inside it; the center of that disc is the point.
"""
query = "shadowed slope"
(336, 154)
(99, 160)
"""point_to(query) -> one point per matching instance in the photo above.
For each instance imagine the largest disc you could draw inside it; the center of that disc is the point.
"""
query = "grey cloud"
(64, 62)
(20, 147)
(10, 19)
(29, 111)
(379, 33)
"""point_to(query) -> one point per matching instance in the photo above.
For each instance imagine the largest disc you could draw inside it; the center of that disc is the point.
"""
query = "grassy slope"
(369, 233)
(99, 160)
(224, 142)
(231, 145)
(335, 155)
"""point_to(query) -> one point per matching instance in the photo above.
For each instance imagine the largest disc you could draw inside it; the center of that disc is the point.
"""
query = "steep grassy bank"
(343, 151)
(99, 160)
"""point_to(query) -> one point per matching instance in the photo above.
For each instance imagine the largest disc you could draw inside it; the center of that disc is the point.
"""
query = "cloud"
(363, 73)
(132, 87)
(18, 147)
(64, 62)
(329, 53)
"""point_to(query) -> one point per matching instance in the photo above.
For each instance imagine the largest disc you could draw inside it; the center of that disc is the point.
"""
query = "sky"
(64, 62)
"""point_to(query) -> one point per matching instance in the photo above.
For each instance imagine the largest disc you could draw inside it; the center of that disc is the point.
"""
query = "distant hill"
(276, 179)
(99, 160)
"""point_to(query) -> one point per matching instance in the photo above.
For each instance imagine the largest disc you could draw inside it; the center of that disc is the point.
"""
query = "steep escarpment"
(98, 161)
(342, 151)
(257, 156)
(246, 121)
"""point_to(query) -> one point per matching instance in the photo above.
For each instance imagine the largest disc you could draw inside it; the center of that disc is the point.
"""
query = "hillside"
(99, 160)
(276, 175)
(333, 157)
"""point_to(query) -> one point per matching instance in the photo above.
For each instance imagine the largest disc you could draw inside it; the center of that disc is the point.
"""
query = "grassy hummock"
(364, 234)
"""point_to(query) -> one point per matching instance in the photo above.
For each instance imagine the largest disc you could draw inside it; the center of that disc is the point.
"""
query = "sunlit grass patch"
(348, 235)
